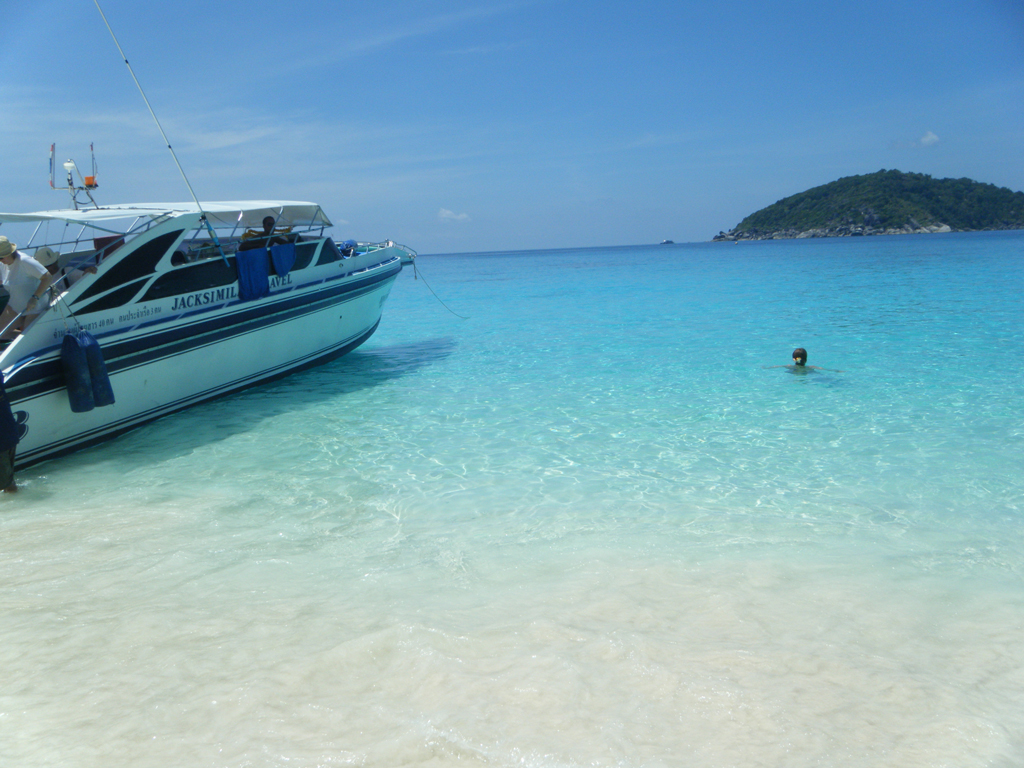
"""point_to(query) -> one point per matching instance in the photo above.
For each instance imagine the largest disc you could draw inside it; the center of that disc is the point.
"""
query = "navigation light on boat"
(88, 182)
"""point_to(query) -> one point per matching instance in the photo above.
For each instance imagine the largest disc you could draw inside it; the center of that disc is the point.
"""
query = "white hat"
(46, 256)
(6, 247)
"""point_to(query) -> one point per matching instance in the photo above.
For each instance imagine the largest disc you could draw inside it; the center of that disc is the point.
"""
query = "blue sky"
(474, 125)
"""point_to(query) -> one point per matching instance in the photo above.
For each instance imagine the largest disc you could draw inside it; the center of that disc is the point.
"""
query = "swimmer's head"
(800, 356)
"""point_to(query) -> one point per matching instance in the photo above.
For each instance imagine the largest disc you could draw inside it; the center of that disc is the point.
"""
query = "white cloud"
(928, 139)
(414, 28)
(445, 215)
(478, 50)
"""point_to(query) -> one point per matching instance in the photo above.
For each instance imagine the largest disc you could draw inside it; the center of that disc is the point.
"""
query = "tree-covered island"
(885, 203)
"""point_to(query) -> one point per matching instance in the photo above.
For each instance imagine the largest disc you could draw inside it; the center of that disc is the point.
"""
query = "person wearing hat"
(50, 259)
(26, 280)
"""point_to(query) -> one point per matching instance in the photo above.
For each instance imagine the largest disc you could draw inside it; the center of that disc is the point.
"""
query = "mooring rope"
(417, 276)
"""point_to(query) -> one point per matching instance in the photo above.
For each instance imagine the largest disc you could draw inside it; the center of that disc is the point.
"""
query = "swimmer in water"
(800, 359)
(800, 363)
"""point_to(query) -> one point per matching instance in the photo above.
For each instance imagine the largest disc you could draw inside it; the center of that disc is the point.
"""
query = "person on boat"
(26, 280)
(50, 259)
(800, 363)
(9, 436)
(262, 240)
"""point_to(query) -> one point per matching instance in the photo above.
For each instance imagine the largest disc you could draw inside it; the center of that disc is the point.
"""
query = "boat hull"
(201, 357)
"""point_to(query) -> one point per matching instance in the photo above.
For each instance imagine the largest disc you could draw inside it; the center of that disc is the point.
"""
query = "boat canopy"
(248, 213)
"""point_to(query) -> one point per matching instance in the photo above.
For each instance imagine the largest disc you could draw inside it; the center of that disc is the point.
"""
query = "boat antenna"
(202, 213)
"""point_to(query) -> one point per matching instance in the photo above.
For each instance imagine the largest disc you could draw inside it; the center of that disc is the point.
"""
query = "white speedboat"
(187, 303)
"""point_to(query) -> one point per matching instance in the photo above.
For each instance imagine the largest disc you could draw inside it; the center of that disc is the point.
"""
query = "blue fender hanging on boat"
(76, 374)
(85, 373)
(102, 392)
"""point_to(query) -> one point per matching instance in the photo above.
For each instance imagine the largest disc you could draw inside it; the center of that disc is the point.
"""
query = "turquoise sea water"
(587, 526)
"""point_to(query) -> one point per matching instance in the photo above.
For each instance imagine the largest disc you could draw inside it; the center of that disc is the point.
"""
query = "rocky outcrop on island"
(910, 228)
(884, 203)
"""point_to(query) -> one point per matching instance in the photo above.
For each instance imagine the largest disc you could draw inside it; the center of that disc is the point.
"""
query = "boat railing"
(91, 234)
(371, 247)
